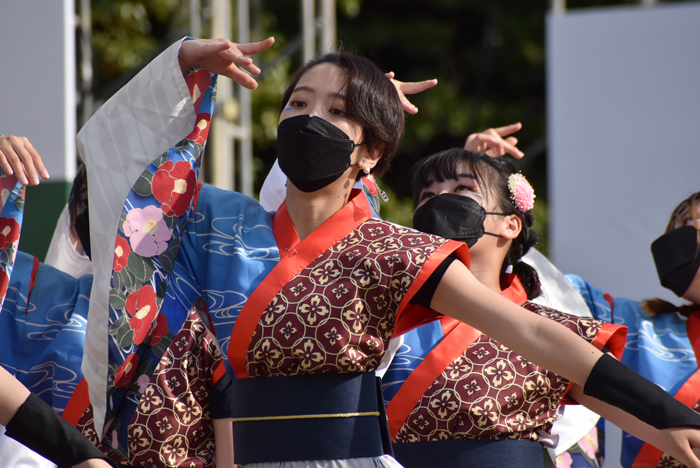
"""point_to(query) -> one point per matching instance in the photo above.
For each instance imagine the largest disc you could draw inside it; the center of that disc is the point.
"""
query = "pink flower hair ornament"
(521, 192)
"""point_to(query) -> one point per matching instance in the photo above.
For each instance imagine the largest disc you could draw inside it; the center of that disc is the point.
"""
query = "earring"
(364, 168)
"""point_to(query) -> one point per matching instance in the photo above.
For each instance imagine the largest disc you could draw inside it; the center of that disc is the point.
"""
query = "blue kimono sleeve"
(227, 249)
(43, 323)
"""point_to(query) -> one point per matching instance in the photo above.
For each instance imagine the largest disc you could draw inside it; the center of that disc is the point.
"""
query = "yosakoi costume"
(664, 349)
(457, 397)
(169, 395)
(44, 320)
(302, 323)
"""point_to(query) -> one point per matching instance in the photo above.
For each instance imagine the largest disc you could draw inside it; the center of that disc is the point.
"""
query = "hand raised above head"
(493, 143)
(224, 57)
(410, 88)
(18, 157)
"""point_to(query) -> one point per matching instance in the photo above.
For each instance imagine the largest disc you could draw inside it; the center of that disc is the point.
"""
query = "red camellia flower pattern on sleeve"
(161, 329)
(121, 254)
(141, 306)
(201, 130)
(197, 83)
(9, 232)
(4, 281)
(125, 372)
(173, 186)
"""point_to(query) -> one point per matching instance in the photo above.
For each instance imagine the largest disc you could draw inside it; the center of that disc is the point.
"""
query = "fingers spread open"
(417, 87)
(508, 129)
(256, 47)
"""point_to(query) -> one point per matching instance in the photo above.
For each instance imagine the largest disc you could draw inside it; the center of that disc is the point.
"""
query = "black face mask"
(312, 152)
(451, 216)
(676, 258)
(82, 228)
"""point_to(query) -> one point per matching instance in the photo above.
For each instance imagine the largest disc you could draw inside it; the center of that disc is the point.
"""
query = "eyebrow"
(309, 89)
(466, 176)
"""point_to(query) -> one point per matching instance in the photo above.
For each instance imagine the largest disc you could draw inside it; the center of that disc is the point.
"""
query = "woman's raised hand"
(224, 57)
(495, 141)
(410, 88)
(18, 157)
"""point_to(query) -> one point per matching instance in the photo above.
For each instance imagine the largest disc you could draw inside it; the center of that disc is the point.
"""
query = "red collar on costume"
(286, 234)
(513, 290)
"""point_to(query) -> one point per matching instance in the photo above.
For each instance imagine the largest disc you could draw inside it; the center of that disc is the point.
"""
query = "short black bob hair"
(371, 102)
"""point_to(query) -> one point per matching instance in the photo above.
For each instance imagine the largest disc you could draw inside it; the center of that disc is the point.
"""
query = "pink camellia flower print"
(147, 232)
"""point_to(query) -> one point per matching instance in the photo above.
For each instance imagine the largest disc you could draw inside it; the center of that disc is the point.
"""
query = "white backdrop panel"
(623, 125)
(37, 78)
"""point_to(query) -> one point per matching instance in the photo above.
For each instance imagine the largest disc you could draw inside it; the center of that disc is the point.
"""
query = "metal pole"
(308, 25)
(86, 97)
(222, 144)
(558, 7)
(195, 18)
(328, 27)
(246, 159)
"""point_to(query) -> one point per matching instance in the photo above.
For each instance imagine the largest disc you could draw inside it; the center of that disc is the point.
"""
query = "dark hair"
(76, 204)
(371, 102)
(492, 176)
(658, 306)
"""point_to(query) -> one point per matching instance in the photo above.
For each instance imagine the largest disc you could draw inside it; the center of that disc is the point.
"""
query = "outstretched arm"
(666, 440)
(554, 347)
(41, 429)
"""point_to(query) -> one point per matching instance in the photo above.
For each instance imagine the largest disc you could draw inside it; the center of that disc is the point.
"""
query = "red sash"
(689, 394)
(458, 337)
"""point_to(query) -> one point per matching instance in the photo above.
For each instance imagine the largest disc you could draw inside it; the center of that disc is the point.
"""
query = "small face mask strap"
(497, 214)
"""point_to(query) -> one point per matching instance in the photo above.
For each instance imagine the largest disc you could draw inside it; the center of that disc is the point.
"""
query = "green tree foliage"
(488, 55)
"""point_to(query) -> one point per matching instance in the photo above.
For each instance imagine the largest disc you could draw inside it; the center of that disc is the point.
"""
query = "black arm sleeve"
(614, 383)
(37, 426)
(220, 398)
(424, 296)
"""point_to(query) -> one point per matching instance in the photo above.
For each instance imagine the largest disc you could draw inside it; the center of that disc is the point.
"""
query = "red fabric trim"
(649, 456)
(427, 371)
(458, 337)
(78, 403)
(219, 372)
(32, 282)
(689, 394)
(196, 196)
(448, 324)
(292, 261)
(693, 329)
(513, 289)
(612, 336)
(410, 316)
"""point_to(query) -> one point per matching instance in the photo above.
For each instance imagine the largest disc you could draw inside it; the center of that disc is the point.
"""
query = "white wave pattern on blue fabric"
(416, 345)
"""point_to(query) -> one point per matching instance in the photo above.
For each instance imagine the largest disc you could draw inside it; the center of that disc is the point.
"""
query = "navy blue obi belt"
(310, 417)
(466, 453)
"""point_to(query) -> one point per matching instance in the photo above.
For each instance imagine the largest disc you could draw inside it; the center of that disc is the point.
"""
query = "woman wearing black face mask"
(664, 337)
(309, 295)
(449, 383)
